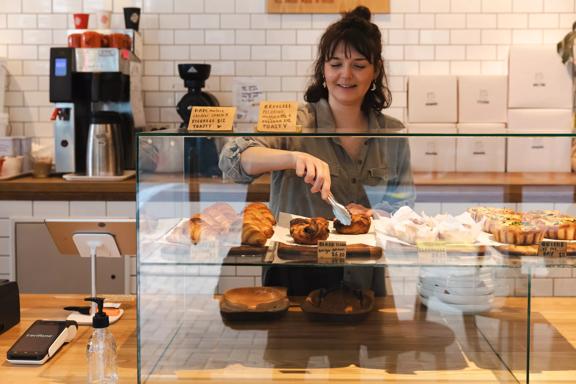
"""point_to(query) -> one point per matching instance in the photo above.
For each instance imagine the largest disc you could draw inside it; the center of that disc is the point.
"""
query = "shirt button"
(360, 162)
(353, 180)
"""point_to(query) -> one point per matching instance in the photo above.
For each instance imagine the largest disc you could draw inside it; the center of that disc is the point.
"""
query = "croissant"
(360, 224)
(252, 234)
(261, 211)
(198, 230)
(309, 231)
(220, 216)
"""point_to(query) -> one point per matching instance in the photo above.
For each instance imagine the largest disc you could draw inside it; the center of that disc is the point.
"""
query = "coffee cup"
(132, 17)
(81, 20)
(103, 19)
(42, 166)
(12, 165)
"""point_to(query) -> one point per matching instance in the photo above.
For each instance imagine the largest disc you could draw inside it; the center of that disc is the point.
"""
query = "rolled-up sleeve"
(229, 161)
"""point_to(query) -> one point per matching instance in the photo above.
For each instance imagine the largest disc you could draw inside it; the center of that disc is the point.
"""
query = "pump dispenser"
(101, 349)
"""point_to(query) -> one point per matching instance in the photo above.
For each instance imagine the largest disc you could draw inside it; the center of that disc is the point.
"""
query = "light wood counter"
(69, 364)
(553, 357)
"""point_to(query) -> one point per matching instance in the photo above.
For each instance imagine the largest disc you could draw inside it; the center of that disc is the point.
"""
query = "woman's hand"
(315, 172)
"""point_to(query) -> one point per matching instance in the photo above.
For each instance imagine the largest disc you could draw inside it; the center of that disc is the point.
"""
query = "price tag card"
(331, 252)
(212, 119)
(432, 252)
(278, 116)
(549, 248)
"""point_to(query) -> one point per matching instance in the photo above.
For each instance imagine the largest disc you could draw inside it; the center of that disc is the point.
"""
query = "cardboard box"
(538, 79)
(540, 120)
(482, 99)
(539, 154)
(482, 153)
(432, 99)
(433, 153)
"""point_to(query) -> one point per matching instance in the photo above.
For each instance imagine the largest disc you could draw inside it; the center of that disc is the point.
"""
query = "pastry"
(518, 233)
(199, 230)
(360, 225)
(309, 231)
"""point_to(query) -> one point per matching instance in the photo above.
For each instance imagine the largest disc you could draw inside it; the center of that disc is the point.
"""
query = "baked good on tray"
(341, 303)
(308, 231)
(360, 225)
(518, 233)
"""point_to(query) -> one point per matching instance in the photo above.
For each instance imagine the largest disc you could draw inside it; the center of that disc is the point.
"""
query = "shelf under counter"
(468, 187)
(511, 186)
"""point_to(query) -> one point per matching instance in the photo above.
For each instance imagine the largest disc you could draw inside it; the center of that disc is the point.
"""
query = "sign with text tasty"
(326, 6)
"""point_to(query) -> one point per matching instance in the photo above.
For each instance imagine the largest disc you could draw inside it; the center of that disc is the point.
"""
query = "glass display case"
(464, 272)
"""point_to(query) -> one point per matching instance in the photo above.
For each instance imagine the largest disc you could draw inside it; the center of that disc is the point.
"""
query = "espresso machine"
(85, 81)
(201, 154)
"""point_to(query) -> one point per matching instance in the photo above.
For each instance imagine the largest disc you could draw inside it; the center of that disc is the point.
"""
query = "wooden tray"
(300, 253)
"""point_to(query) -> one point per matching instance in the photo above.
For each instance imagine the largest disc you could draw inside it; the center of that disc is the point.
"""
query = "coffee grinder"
(87, 80)
(201, 155)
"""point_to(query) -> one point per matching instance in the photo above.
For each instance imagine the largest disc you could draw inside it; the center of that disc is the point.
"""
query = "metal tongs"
(340, 211)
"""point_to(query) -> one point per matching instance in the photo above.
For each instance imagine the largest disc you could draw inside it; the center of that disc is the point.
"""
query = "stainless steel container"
(104, 147)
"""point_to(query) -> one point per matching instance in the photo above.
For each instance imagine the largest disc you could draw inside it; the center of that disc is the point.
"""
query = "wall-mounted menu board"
(326, 6)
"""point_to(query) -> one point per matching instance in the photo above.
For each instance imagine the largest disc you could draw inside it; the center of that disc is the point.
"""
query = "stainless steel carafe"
(104, 148)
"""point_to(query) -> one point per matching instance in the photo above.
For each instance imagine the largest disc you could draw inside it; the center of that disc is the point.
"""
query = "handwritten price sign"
(277, 116)
(212, 119)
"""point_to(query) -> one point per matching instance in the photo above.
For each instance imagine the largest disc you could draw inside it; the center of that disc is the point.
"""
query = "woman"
(346, 95)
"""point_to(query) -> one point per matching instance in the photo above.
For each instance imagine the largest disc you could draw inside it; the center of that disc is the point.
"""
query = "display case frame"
(182, 336)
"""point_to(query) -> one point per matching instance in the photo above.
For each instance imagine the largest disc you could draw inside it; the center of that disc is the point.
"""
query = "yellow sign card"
(277, 116)
(331, 252)
(212, 119)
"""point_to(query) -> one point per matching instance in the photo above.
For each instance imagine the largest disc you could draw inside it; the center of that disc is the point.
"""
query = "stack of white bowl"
(467, 290)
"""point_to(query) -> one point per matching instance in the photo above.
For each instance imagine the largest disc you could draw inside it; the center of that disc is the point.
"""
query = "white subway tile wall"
(238, 37)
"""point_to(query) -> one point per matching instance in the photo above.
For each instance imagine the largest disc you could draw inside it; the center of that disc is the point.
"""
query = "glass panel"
(436, 289)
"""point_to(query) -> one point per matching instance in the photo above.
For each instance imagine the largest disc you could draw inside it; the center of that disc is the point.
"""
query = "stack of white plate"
(466, 290)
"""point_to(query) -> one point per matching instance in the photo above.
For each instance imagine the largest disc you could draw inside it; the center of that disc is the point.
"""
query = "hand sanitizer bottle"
(101, 350)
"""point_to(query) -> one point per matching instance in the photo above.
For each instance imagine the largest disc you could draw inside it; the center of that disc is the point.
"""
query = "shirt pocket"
(378, 176)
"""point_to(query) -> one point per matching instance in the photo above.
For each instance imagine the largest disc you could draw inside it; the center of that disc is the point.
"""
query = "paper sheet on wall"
(248, 93)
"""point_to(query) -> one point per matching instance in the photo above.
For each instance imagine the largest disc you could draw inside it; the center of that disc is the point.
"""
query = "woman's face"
(348, 76)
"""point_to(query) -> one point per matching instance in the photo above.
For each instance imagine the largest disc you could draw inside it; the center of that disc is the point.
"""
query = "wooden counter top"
(69, 364)
(56, 188)
(555, 335)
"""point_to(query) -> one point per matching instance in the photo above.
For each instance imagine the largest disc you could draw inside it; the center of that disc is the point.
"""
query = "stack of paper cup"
(466, 289)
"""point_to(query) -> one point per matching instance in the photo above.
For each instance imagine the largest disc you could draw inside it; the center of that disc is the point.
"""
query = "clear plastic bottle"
(101, 349)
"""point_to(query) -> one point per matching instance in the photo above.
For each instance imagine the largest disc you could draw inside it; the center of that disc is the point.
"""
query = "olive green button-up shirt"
(380, 178)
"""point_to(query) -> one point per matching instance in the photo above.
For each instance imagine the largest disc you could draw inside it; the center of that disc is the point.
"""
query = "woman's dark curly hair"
(356, 31)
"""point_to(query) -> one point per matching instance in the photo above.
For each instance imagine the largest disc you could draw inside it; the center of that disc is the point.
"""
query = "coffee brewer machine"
(84, 81)
(201, 153)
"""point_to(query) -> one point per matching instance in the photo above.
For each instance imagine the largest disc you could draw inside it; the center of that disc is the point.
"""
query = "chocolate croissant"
(360, 225)
(309, 231)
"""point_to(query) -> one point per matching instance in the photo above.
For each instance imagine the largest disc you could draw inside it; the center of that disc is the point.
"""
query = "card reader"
(41, 341)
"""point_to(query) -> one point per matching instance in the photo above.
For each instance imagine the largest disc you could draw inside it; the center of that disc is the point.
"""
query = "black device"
(201, 155)
(9, 305)
(77, 93)
(41, 341)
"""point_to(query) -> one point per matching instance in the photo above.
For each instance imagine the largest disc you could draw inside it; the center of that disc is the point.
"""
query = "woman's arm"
(258, 160)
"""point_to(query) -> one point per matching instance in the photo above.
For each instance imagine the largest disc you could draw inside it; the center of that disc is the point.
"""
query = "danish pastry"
(360, 225)
(309, 231)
